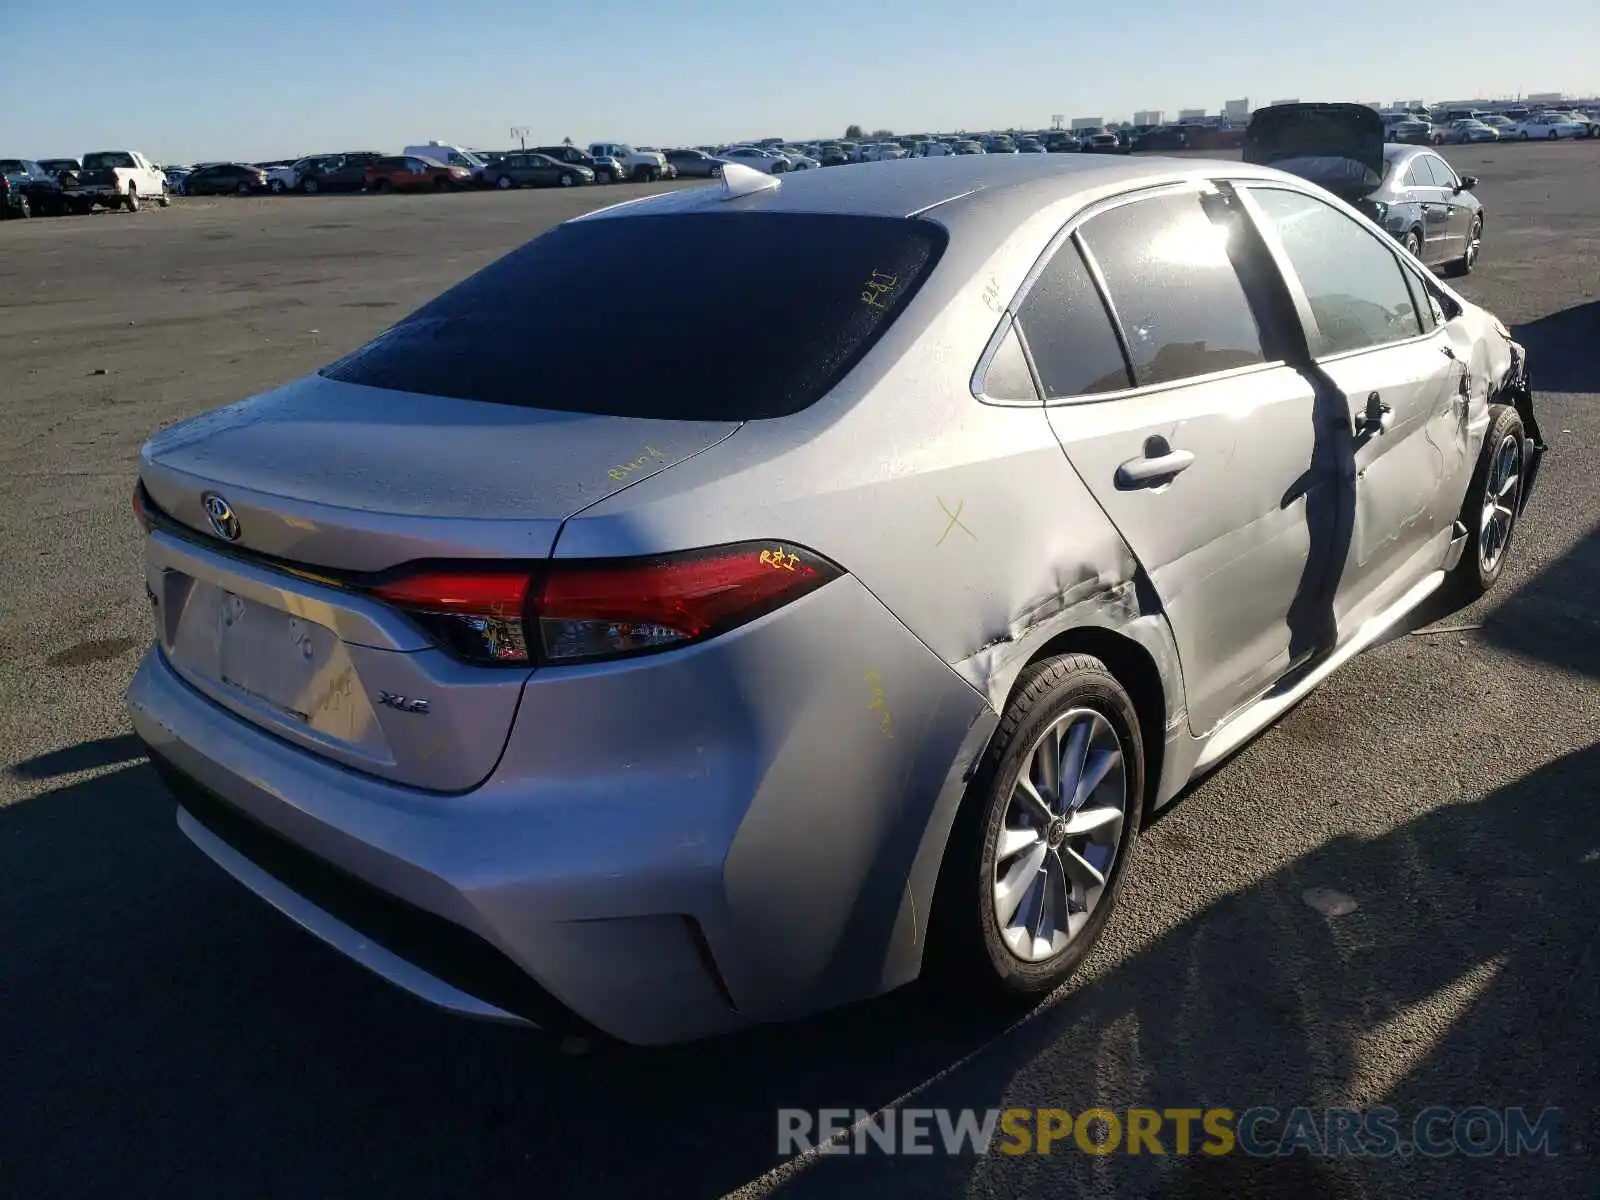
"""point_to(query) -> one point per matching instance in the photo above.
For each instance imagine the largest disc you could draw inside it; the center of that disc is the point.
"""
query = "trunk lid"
(356, 478)
(1337, 146)
(349, 478)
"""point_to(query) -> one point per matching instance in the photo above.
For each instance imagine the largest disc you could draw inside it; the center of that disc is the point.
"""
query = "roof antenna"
(740, 180)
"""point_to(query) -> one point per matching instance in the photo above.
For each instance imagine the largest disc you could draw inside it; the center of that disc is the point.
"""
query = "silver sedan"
(670, 660)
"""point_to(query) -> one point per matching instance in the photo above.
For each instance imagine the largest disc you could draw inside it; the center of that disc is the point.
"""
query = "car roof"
(1002, 186)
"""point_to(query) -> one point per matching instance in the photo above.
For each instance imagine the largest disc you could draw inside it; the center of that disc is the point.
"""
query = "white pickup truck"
(117, 179)
(641, 166)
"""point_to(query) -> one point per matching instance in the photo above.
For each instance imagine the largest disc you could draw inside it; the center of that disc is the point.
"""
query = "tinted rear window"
(743, 316)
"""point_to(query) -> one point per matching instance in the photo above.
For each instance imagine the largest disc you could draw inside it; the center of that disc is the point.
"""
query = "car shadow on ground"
(165, 1033)
(1561, 349)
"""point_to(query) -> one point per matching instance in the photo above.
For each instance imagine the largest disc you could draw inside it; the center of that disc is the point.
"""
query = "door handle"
(1376, 419)
(1137, 472)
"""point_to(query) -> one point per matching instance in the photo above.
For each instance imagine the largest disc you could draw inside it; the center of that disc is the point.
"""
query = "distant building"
(1088, 122)
(1188, 116)
(1544, 97)
(1236, 111)
(1148, 116)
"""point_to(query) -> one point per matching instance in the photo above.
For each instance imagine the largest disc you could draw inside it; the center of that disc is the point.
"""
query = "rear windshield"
(106, 159)
(737, 316)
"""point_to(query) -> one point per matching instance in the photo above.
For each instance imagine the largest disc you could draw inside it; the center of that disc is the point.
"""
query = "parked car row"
(1464, 126)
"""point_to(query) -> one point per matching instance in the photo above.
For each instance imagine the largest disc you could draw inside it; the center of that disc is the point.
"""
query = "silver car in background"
(847, 625)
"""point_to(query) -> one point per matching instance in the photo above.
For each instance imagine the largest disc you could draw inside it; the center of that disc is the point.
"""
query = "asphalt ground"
(163, 1033)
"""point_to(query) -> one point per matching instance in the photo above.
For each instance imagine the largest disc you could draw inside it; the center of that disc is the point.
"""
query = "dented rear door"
(1204, 451)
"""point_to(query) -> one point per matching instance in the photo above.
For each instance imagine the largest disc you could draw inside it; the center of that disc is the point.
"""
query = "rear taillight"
(590, 610)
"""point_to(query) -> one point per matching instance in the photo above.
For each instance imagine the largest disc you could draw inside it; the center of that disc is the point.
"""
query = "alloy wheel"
(1501, 495)
(1059, 837)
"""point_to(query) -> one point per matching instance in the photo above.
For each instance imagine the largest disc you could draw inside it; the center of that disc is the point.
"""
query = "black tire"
(382, 187)
(442, 184)
(1412, 241)
(1477, 571)
(1552, 136)
(243, 189)
(568, 179)
(309, 186)
(277, 187)
(131, 200)
(966, 945)
(716, 172)
(164, 200)
(1525, 135)
(505, 183)
(1464, 264)
(24, 208)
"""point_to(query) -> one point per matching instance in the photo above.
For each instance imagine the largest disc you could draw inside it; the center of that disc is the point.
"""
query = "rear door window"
(543, 328)
(1352, 280)
(1069, 333)
(1171, 274)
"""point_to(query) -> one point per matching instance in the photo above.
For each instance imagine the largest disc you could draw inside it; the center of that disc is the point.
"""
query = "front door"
(1200, 443)
(1374, 335)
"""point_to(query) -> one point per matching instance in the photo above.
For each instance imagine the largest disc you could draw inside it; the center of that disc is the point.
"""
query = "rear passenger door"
(1156, 337)
(1374, 333)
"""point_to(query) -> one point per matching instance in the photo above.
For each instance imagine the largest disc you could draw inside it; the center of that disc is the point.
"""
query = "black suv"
(30, 189)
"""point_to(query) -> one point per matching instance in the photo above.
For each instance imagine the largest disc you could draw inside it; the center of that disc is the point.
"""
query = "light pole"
(521, 132)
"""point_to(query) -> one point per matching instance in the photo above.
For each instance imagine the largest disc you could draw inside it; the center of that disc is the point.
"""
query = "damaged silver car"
(851, 623)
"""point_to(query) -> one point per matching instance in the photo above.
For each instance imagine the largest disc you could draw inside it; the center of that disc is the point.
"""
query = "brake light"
(590, 610)
(475, 612)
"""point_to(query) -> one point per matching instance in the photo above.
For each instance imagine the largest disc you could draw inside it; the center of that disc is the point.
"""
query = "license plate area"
(273, 666)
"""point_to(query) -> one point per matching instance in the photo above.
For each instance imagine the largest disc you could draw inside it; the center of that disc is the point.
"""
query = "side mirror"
(1468, 182)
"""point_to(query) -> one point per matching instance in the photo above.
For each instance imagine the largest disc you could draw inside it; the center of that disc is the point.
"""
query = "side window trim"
(1099, 279)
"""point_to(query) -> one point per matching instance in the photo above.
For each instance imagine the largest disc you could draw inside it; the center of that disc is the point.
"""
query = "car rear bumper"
(729, 834)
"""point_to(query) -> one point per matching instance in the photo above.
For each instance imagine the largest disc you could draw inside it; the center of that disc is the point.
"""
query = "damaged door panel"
(1221, 487)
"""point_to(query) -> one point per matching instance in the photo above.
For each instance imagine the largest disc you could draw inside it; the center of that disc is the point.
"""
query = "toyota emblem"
(223, 522)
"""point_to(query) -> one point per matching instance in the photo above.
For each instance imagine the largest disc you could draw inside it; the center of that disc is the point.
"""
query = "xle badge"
(403, 703)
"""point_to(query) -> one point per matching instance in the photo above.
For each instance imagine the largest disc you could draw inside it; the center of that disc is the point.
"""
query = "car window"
(1443, 176)
(1353, 281)
(736, 346)
(1068, 331)
(1170, 270)
(1417, 174)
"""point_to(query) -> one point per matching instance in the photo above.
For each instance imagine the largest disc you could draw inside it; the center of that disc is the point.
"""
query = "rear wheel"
(310, 186)
(1039, 848)
(568, 179)
(131, 200)
(1413, 243)
(382, 187)
(505, 183)
(1525, 135)
(243, 189)
(1493, 503)
(1552, 136)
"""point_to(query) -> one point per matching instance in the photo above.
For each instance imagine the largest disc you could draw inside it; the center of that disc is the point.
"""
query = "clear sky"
(256, 79)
